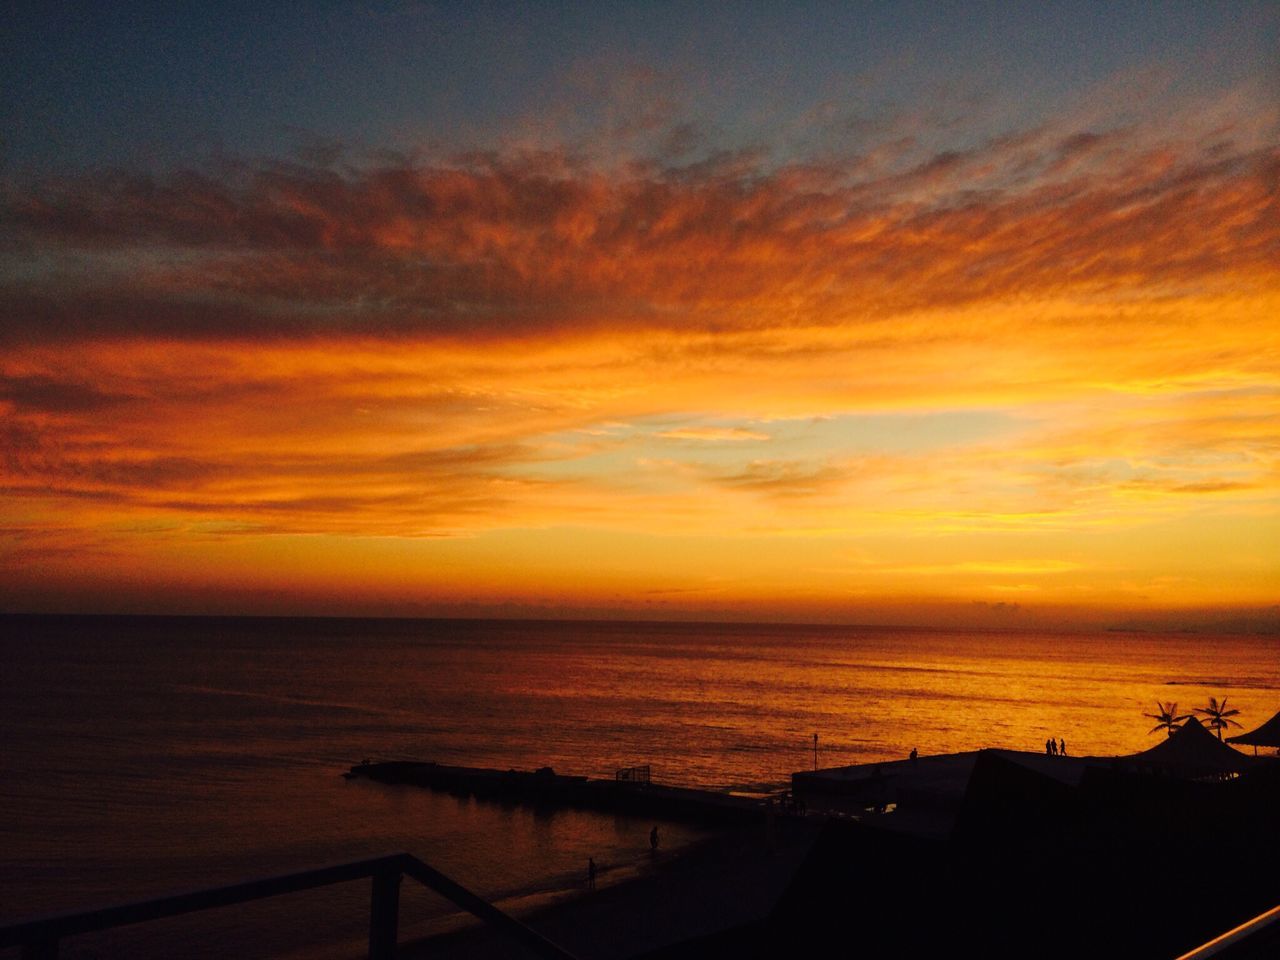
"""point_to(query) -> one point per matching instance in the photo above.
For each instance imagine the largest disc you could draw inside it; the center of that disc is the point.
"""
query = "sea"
(144, 756)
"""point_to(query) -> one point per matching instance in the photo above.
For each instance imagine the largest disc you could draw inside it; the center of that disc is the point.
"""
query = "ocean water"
(145, 756)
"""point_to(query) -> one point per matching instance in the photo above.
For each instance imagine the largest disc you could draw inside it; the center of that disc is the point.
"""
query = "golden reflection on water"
(720, 705)
(147, 757)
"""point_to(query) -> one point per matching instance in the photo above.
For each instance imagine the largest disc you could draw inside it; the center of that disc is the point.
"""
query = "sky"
(953, 314)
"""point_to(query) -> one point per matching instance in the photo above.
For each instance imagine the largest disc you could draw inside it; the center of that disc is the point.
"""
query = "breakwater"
(548, 789)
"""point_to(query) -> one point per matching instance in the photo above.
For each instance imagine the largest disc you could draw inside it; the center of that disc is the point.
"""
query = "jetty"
(630, 791)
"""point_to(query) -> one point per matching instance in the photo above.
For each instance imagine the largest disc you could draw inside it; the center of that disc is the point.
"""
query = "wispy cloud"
(713, 434)
(1078, 316)
(515, 245)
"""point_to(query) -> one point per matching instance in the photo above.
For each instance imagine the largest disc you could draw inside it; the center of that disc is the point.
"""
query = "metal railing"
(39, 938)
(1250, 938)
(638, 774)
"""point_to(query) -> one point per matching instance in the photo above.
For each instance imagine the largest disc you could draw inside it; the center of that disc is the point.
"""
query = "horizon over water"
(148, 755)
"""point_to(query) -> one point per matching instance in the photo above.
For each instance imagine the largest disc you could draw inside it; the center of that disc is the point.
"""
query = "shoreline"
(723, 881)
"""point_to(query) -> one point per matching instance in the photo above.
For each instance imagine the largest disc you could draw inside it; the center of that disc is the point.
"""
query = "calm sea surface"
(140, 757)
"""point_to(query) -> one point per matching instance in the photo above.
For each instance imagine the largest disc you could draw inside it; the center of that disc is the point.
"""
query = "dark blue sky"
(154, 85)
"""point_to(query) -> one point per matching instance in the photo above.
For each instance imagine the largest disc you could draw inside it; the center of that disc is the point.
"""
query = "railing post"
(384, 914)
(45, 948)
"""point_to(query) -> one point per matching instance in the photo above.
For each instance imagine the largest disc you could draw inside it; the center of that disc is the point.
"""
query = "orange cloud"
(512, 246)
(526, 374)
(713, 434)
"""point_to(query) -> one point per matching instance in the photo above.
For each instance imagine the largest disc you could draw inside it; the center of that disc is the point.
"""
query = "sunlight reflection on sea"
(142, 757)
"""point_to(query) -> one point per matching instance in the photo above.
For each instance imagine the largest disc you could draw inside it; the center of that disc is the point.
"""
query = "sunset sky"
(950, 313)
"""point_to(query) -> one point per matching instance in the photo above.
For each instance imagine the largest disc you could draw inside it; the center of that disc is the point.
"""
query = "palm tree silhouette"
(1218, 717)
(1167, 719)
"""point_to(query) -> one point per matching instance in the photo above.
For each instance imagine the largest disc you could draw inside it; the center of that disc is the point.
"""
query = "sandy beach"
(726, 881)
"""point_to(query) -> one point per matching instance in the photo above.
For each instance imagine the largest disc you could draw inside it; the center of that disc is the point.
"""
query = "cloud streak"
(993, 366)
(504, 246)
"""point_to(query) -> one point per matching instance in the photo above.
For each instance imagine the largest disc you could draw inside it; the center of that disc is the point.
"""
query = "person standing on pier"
(653, 840)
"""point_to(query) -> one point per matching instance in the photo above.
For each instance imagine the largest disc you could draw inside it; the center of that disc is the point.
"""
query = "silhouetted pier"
(546, 788)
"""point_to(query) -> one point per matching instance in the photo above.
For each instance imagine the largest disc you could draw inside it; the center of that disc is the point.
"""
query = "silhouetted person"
(1048, 747)
(591, 873)
(1062, 748)
(914, 754)
(653, 840)
(1053, 747)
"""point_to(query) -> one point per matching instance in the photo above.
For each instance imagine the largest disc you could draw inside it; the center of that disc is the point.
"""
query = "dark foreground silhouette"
(1033, 867)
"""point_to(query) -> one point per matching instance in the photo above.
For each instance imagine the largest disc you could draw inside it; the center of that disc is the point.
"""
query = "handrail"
(88, 921)
(1221, 944)
(477, 906)
(39, 937)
